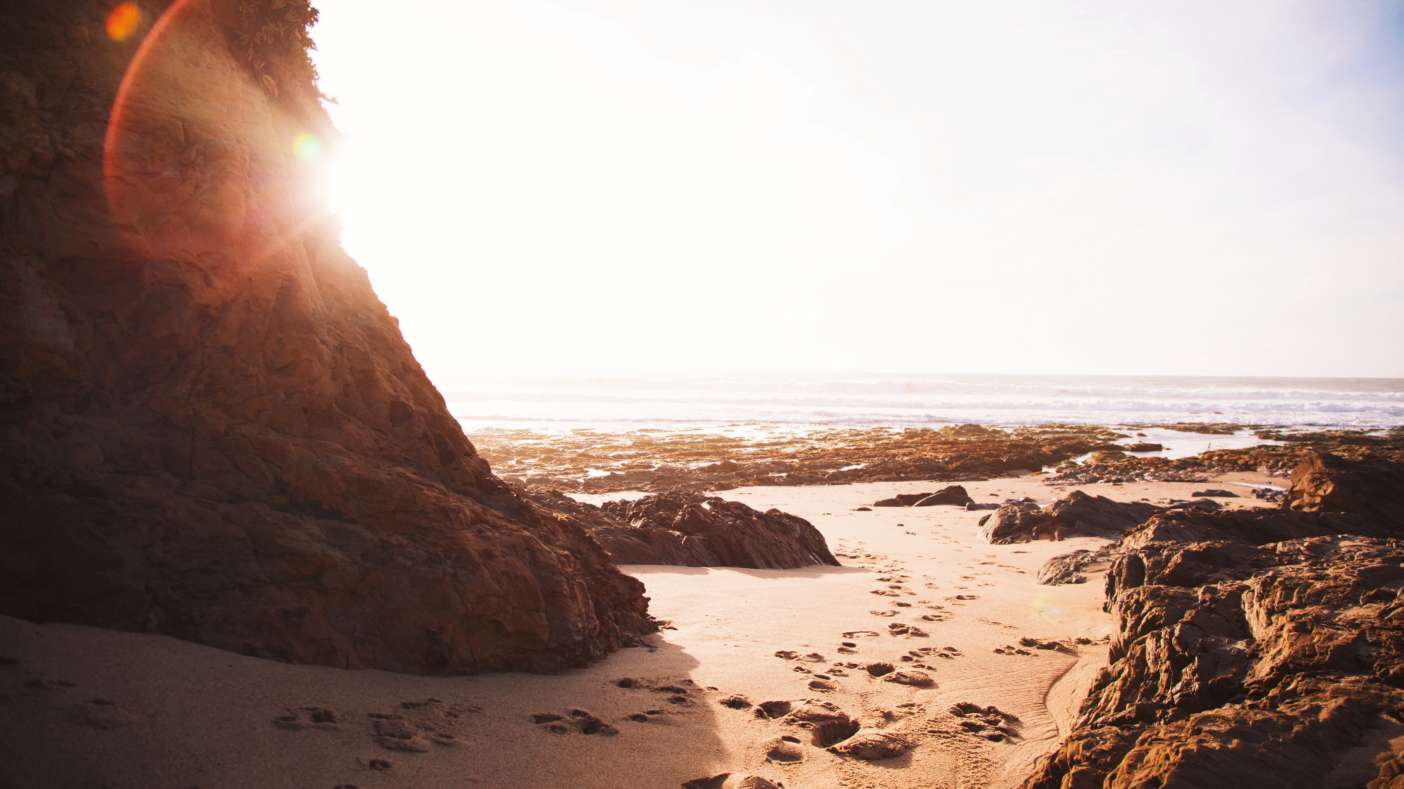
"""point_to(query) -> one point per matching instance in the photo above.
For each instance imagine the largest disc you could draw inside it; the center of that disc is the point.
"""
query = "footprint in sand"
(880, 669)
(916, 679)
(581, 720)
(785, 750)
(990, 722)
(883, 613)
(773, 709)
(860, 634)
(736, 702)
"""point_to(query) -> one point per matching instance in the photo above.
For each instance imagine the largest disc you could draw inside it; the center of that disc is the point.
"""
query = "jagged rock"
(954, 495)
(1215, 493)
(1071, 568)
(691, 529)
(211, 427)
(1075, 515)
(1328, 483)
(1253, 648)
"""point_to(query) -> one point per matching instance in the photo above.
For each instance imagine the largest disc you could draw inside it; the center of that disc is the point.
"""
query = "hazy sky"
(1080, 187)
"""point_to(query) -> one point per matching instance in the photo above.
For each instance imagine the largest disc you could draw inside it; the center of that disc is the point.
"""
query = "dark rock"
(1075, 515)
(690, 529)
(954, 495)
(1215, 493)
(210, 426)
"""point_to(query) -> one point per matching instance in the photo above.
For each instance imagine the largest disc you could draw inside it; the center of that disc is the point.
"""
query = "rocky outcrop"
(1074, 515)
(954, 495)
(1372, 487)
(598, 462)
(210, 427)
(700, 531)
(1253, 648)
(1072, 568)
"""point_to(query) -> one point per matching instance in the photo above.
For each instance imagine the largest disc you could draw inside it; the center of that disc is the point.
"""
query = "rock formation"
(1372, 487)
(1074, 515)
(699, 531)
(210, 427)
(954, 495)
(1253, 648)
(599, 462)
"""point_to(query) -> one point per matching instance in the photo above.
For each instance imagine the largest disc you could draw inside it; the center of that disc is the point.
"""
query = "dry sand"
(90, 707)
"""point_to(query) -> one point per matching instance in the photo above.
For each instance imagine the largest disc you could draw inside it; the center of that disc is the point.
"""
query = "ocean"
(707, 402)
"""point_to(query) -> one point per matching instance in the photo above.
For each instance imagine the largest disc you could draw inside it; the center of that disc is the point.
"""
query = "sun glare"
(123, 21)
(307, 147)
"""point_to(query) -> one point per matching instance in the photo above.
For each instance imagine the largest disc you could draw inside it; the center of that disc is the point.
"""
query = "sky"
(1197, 188)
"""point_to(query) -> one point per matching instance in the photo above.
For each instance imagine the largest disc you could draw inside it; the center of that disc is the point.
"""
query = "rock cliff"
(210, 426)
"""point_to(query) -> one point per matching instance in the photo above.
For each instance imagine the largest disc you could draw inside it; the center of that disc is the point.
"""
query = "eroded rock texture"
(210, 426)
(703, 531)
(1329, 483)
(1253, 648)
(1074, 515)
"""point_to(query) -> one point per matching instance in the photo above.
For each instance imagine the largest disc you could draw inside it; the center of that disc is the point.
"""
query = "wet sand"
(921, 592)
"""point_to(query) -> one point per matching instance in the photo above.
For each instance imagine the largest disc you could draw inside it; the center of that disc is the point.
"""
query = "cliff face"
(209, 425)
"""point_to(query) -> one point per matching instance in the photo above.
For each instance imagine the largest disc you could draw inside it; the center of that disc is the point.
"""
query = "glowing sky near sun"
(1106, 187)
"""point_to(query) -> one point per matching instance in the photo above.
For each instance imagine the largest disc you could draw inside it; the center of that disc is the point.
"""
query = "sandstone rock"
(1071, 568)
(1327, 483)
(211, 427)
(690, 529)
(1076, 514)
(1253, 648)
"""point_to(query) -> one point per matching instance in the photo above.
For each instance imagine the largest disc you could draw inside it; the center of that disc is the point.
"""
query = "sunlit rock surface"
(1253, 648)
(210, 426)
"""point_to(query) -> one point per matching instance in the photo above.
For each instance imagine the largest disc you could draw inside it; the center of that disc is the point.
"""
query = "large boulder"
(1074, 515)
(954, 495)
(210, 427)
(702, 531)
(1372, 487)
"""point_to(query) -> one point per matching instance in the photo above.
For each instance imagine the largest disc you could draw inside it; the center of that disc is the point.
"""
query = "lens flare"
(307, 147)
(123, 21)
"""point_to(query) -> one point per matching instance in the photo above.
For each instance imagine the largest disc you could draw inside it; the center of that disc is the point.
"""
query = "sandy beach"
(93, 707)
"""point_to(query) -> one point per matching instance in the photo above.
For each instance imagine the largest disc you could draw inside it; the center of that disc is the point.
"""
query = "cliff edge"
(210, 426)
